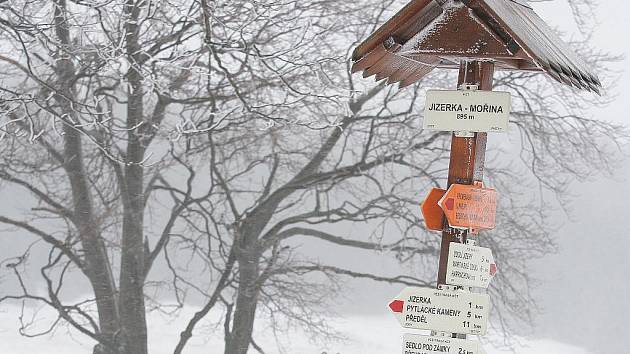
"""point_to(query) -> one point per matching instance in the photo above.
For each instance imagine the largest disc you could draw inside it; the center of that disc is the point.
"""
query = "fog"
(582, 291)
(364, 334)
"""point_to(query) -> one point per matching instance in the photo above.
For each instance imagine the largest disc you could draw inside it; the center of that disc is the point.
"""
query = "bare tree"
(208, 136)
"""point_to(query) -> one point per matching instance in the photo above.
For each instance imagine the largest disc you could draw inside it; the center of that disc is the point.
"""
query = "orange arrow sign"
(433, 215)
(470, 207)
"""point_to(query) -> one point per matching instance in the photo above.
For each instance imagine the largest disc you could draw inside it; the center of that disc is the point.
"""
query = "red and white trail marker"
(442, 310)
(470, 266)
(470, 207)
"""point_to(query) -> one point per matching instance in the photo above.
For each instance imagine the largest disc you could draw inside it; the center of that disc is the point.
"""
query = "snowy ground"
(366, 335)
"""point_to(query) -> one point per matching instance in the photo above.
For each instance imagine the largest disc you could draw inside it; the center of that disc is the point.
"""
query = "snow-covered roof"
(429, 33)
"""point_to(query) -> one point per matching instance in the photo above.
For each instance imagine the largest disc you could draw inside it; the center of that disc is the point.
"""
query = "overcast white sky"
(584, 290)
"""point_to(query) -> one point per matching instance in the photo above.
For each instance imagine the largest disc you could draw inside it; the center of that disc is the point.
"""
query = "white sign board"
(469, 265)
(467, 110)
(442, 310)
(417, 344)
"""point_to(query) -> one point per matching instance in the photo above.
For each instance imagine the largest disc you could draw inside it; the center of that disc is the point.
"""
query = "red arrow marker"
(493, 269)
(397, 306)
(450, 203)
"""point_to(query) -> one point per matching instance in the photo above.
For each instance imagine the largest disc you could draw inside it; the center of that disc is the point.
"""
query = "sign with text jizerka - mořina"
(467, 110)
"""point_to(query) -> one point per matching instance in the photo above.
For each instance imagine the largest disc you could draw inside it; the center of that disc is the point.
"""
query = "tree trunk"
(246, 303)
(97, 264)
(249, 254)
(132, 310)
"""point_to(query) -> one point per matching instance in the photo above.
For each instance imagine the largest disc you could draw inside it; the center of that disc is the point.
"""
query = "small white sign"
(467, 110)
(442, 310)
(470, 265)
(417, 344)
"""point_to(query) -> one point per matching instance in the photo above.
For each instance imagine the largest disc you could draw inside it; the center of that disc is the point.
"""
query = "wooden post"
(467, 155)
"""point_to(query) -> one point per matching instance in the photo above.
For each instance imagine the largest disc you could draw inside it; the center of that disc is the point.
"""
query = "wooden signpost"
(474, 36)
(467, 157)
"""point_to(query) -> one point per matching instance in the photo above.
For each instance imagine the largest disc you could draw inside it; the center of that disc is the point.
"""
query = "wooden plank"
(385, 63)
(415, 77)
(537, 39)
(564, 78)
(389, 70)
(508, 31)
(568, 56)
(457, 32)
(378, 67)
(555, 76)
(386, 30)
(370, 59)
(418, 21)
(403, 72)
(594, 88)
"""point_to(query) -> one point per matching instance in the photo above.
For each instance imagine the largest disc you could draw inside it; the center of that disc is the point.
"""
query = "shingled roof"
(427, 34)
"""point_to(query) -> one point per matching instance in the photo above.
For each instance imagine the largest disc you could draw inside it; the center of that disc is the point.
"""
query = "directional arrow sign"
(470, 265)
(433, 215)
(442, 310)
(470, 207)
(417, 344)
(475, 111)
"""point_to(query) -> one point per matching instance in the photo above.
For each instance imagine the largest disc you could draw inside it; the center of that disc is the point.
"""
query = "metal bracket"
(464, 134)
(468, 87)
(447, 334)
(441, 334)
(451, 287)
